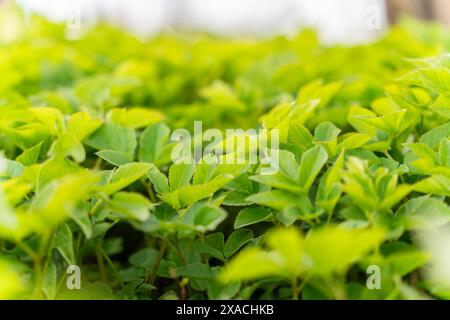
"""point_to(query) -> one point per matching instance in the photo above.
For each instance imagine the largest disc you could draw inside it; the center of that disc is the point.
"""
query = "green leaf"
(208, 218)
(442, 106)
(434, 136)
(63, 242)
(195, 271)
(236, 199)
(80, 215)
(437, 185)
(251, 264)
(68, 145)
(58, 200)
(31, 155)
(356, 118)
(152, 141)
(56, 168)
(192, 193)
(180, 175)
(218, 291)
(159, 180)
(312, 162)
(316, 90)
(423, 151)
(403, 263)
(393, 123)
(49, 282)
(289, 215)
(326, 135)
(212, 245)
(10, 168)
(299, 135)
(288, 244)
(126, 175)
(353, 141)
(9, 222)
(444, 152)
(278, 181)
(203, 173)
(82, 125)
(145, 258)
(134, 118)
(52, 118)
(279, 200)
(436, 79)
(252, 215)
(330, 187)
(424, 213)
(288, 164)
(236, 240)
(114, 157)
(333, 249)
(113, 137)
(130, 205)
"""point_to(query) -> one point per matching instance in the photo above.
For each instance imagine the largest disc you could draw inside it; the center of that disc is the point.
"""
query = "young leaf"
(126, 175)
(31, 155)
(252, 215)
(236, 240)
(130, 205)
(63, 242)
(113, 137)
(279, 200)
(208, 218)
(134, 118)
(312, 162)
(424, 213)
(82, 125)
(180, 175)
(251, 264)
(152, 141)
(114, 157)
(434, 136)
(326, 135)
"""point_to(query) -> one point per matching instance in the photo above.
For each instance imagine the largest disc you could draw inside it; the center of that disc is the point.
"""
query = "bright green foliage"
(87, 178)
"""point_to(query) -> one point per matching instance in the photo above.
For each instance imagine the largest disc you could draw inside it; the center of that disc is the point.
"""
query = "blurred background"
(349, 21)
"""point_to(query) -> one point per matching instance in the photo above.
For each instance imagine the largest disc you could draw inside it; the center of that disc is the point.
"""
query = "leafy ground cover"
(87, 178)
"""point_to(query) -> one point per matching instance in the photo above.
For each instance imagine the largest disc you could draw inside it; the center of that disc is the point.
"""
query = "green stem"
(304, 282)
(78, 248)
(30, 252)
(112, 266)
(37, 262)
(150, 191)
(177, 251)
(158, 262)
(60, 282)
(295, 288)
(96, 207)
(330, 215)
(98, 164)
(38, 277)
(101, 264)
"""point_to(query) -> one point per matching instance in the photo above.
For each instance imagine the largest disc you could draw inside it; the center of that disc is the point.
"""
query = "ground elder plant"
(94, 204)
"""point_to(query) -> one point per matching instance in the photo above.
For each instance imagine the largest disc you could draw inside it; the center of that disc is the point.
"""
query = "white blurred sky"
(337, 20)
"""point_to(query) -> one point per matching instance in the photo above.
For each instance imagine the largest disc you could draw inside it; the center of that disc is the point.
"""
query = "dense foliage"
(87, 177)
